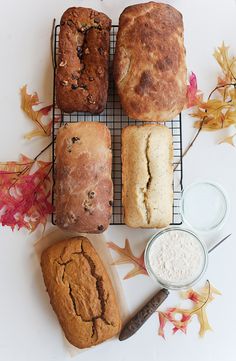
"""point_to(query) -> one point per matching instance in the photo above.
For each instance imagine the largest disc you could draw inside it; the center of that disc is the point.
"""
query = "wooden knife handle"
(143, 315)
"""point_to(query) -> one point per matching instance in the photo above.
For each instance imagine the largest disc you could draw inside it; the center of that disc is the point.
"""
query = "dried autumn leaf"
(226, 62)
(219, 112)
(215, 114)
(201, 300)
(24, 193)
(28, 102)
(229, 140)
(194, 95)
(127, 256)
(162, 323)
(181, 317)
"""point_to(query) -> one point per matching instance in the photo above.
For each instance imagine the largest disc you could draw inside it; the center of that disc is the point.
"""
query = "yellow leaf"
(38, 132)
(229, 140)
(203, 320)
(28, 101)
(219, 112)
(226, 62)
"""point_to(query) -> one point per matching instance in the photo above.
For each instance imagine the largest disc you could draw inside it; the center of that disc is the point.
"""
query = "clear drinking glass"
(204, 206)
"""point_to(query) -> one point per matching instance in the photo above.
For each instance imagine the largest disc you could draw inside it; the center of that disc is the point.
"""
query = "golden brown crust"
(149, 63)
(80, 292)
(82, 72)
(147, 175)
(84, 190)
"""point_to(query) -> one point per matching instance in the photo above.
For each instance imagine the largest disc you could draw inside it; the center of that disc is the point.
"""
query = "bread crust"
(147, 175)
(149, 63)
(83, 184)
(80, 292)
(83, 61)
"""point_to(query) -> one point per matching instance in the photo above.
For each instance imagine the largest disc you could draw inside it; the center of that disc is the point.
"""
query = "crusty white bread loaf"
(147, 175)
(149, 63)
(84, 189)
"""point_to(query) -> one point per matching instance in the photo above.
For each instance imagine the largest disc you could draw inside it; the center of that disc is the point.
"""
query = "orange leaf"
(28, 102)
(126, 256)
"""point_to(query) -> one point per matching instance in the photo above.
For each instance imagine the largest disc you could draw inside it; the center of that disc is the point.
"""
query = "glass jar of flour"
(176, 258)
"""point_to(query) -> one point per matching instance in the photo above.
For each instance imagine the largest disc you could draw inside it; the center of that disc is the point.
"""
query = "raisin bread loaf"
(83, 61)
(83, 184)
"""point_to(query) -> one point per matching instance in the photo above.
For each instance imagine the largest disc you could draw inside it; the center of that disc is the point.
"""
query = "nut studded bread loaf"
(149, 63)
(80, 292)
(82, 71)
(84, 189)
(147, 176)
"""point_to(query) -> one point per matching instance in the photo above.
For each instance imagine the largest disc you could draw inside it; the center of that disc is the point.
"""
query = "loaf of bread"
(147, 176)
(83, 184)
(149, 64)
(80, 292)
(83, 61)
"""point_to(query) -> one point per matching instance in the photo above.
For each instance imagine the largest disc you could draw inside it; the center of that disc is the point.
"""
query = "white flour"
(176, 257)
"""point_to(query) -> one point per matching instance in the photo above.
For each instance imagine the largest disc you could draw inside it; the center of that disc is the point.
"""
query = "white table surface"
(28, 327)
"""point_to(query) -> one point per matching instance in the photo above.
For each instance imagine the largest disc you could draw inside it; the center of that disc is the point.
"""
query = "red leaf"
(45, 110)
(193, 296)
(24, 193)
(170, 313)
(194, 95)
(200, 301)
(162, 323)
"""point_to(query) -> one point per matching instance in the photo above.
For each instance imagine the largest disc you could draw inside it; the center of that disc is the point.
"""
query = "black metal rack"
(114, 117)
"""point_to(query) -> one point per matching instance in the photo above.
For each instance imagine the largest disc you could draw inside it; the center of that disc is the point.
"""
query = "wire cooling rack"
(114, 117)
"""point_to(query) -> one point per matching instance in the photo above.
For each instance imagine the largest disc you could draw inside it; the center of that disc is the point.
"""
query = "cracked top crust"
(80, 292)
(82, 71)
(149, 63)
(147, 175)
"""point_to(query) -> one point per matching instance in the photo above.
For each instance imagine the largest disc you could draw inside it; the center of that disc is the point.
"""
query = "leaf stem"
(3, 173)
(205, 301)
(40, 125)
(20, 173)
(194, 139)
(219, 87)
(42, 151)
(18, 164)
